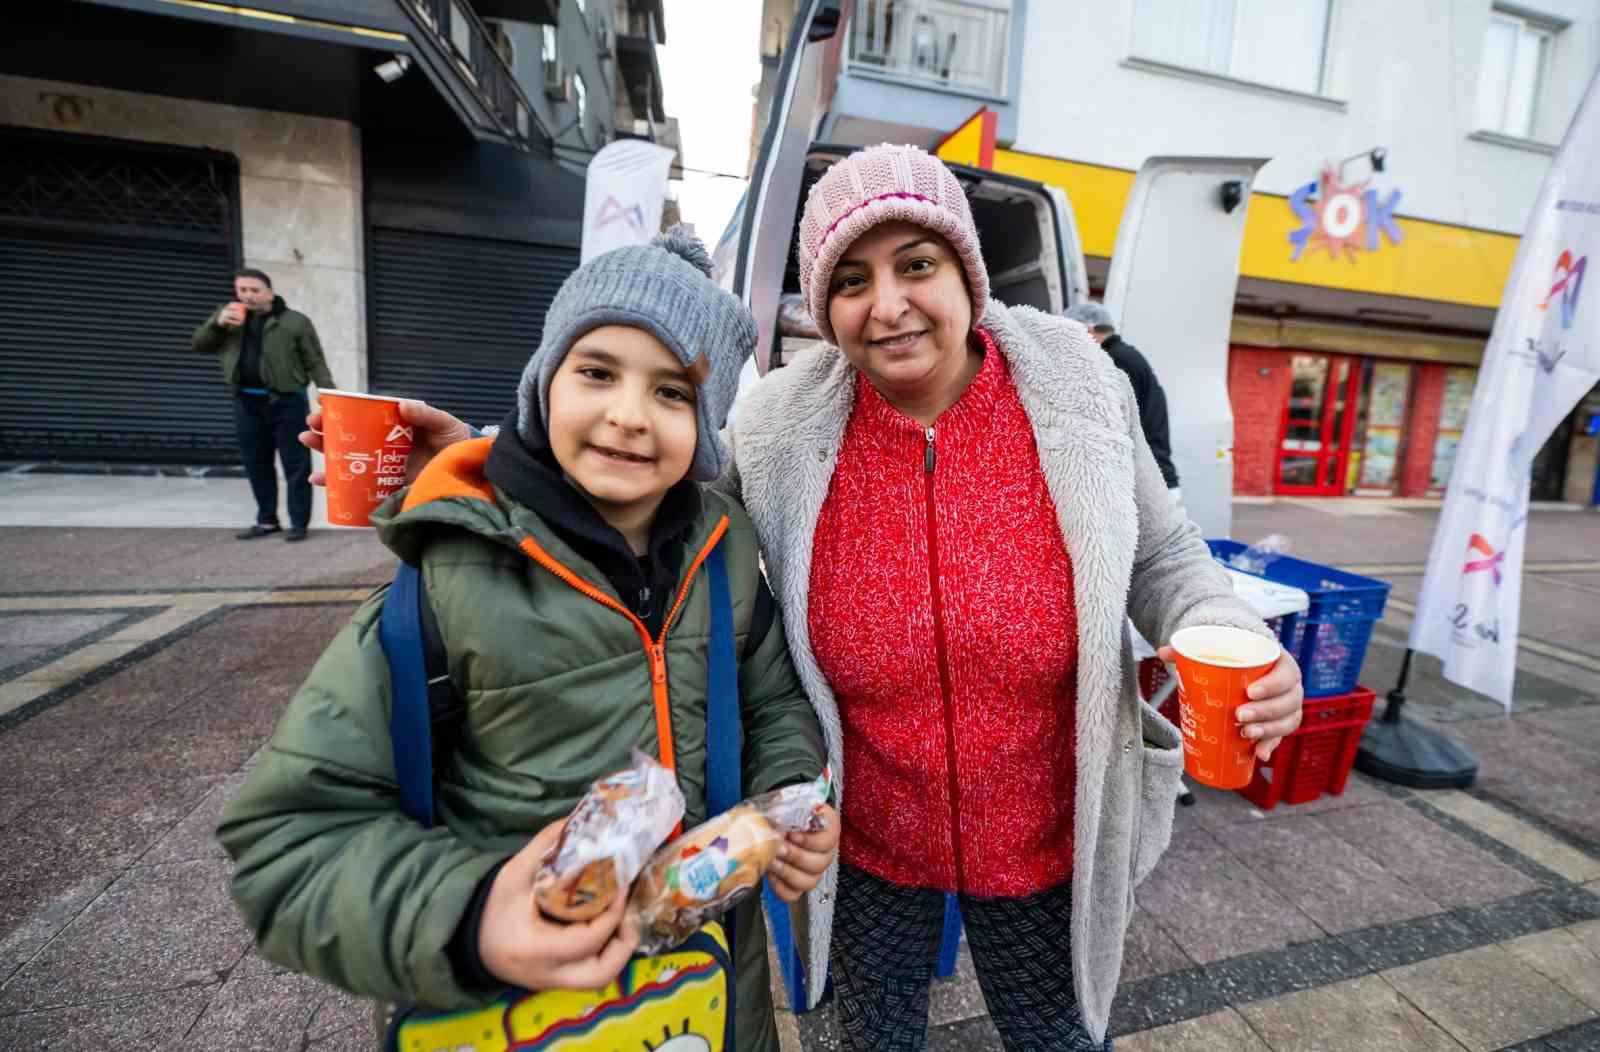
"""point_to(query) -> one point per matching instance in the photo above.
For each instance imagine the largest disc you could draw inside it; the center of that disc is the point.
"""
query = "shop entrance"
(1318, 420)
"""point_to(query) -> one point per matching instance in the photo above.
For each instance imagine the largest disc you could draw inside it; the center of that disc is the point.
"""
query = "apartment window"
(1280, 43)
(1516, 56)
(580, 96)
(550, 63)
(460, 31)
(960, 44)
(502, 42)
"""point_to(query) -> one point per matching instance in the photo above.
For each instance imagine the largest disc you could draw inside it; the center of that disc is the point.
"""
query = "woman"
(959, 515)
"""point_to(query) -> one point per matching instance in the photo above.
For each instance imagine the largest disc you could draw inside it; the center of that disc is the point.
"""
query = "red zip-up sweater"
(941, 612)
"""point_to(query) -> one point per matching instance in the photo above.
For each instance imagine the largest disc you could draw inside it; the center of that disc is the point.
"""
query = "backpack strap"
(447, 708)
(427, 709)
(723, 762)
(723, 766)
(410, 723)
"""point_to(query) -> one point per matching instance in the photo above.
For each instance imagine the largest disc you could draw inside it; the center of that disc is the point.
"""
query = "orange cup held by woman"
(366, 445)
(1215, 665)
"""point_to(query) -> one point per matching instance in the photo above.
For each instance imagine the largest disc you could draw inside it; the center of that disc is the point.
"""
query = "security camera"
(1378, 154)
(393, 69)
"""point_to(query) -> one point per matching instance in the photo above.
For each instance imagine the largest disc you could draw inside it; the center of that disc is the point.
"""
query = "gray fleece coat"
(1134, 555)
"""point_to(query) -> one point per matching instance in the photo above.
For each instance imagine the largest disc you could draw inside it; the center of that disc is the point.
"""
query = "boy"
(561, 559)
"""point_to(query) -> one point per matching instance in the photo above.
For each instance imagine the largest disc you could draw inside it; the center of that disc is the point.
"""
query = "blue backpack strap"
(723, 767)
(410, 730)
(723, 764)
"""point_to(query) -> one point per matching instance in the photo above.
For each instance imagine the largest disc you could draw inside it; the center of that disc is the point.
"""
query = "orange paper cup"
(366, 445)
(1215, 665)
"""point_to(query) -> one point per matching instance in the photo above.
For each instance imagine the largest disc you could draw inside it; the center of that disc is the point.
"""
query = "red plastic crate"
(1317, 758)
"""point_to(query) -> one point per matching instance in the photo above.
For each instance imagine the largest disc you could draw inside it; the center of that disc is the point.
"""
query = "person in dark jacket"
(563, 562)
(1146, 388)
(268, 354)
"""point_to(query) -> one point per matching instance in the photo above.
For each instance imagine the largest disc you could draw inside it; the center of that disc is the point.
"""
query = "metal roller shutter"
(109, 258)
(454, 319)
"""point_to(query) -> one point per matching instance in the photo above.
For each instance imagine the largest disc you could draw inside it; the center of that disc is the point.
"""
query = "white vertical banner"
(623, 195)
(1543, 356)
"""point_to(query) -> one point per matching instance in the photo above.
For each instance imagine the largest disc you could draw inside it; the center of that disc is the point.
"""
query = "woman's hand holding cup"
(1274, 706)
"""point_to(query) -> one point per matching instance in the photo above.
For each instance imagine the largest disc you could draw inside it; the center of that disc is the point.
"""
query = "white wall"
(299, 194)
(1402, 74)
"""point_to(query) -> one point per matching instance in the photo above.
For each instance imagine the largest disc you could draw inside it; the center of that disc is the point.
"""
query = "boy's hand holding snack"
(805, 857)
(519, 946)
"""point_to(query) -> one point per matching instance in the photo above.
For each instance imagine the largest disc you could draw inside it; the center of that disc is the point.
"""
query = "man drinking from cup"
(268, 354)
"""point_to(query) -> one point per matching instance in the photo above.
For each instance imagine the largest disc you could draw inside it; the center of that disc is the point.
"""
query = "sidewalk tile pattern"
(1226, 1029)
(1487, 998)
(1364, 1013)
(1375, 919)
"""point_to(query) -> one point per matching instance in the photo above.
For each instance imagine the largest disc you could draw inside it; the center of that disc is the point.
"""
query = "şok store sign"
(1342, 217)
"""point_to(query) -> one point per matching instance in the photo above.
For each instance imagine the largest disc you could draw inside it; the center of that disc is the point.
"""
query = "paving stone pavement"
(142, 669)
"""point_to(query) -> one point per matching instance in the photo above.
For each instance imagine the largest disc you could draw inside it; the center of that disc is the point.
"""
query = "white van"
(1171, 283)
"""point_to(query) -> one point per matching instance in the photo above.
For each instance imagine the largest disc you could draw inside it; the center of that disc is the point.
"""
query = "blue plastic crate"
(1330, 639)
(1287, 628)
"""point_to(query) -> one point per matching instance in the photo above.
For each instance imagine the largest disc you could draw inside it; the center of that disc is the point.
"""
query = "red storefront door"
(1314, 441)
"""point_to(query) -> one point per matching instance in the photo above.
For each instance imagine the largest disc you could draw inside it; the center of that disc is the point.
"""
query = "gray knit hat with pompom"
(664, 288)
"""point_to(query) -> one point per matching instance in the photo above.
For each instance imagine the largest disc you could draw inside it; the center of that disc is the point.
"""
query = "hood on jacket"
(451, 491)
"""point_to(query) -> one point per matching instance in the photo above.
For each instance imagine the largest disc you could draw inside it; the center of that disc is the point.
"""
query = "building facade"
(1407, 145)
(409, 172)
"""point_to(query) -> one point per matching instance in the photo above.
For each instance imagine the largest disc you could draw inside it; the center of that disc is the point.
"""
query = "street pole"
(1397, 750)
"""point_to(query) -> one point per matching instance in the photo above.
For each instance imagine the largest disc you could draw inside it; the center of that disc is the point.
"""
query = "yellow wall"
(1435, 261)
(965, 142)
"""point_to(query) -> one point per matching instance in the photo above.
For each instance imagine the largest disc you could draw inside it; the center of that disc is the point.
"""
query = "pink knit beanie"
(880, 185)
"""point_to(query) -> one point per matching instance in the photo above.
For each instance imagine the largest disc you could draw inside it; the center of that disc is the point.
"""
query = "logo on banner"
(613, 211)
(1342, 217)
(1568, 282)
(1482, 558)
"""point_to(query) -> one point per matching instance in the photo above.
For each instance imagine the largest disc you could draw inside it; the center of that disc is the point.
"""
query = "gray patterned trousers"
(885, 939)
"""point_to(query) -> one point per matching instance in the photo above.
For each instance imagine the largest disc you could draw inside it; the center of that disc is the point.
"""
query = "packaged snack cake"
(612, 831)
(711, 868)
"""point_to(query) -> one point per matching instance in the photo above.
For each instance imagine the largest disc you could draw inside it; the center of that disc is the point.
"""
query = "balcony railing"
(457, 28)
(955, 44)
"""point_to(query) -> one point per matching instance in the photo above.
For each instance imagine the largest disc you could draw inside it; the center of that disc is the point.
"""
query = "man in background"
(1146, 388)
(268, 353)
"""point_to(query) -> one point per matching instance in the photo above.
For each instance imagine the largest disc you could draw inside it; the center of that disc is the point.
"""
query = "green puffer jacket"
(338, 883)
(291, 354)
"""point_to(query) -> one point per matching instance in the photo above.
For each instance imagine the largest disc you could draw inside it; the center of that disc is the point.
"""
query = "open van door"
(1171, 288)
(754, 252)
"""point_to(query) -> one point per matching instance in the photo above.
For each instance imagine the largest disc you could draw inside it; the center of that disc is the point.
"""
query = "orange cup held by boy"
(366, 445)
(1215, 665)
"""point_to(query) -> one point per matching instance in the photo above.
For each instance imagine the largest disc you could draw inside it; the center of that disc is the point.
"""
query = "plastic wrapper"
(1256, 558)
(714, 866)
(794, 319)
(606, 842)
